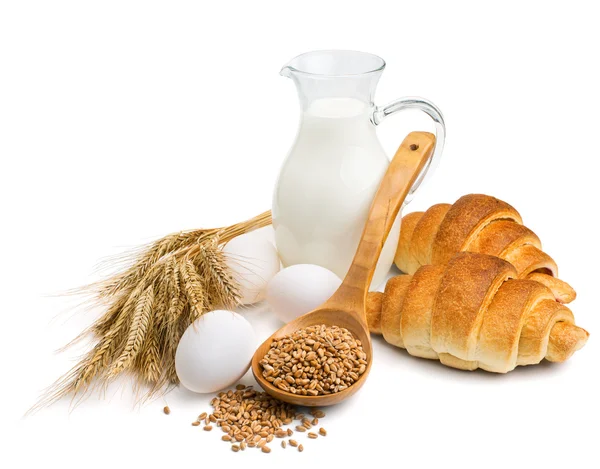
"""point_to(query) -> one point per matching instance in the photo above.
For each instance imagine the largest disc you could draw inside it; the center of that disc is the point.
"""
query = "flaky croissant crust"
(474, 312)
(477, 223)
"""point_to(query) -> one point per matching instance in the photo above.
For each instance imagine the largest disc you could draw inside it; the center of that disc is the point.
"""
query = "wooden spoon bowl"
(346, 308)
(329, 317)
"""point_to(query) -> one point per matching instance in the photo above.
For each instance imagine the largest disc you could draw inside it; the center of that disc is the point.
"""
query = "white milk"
(326, 187)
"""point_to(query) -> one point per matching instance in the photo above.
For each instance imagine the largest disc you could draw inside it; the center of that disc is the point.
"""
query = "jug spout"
(334, 74)
(286, 71)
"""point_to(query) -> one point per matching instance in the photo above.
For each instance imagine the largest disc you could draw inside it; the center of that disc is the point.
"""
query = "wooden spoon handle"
(407, 164)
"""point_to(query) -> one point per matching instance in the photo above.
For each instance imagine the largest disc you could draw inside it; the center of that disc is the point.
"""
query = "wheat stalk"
(192, 283)
(162, 289)
(145, 257)
(223, 289)
(140, 325)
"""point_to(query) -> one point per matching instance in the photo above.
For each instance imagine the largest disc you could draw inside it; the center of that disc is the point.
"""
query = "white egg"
(266, 232)
(300, 288)
(253, 261)
(215, 351)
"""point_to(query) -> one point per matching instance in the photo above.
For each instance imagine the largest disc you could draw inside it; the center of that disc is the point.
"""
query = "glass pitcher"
(330, 176)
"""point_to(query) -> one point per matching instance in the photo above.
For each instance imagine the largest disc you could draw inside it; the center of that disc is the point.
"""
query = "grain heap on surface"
(315, 360)
(252, 419)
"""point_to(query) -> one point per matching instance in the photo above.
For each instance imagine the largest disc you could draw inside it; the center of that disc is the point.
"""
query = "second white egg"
(300, 288)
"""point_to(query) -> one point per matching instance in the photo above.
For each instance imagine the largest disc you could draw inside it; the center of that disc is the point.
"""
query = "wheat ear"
(140, 324)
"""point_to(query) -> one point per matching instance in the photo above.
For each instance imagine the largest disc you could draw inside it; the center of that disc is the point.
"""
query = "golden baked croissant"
(473, 312)
(477, 223)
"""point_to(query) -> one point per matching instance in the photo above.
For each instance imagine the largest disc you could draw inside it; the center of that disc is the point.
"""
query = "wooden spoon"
(346, 308)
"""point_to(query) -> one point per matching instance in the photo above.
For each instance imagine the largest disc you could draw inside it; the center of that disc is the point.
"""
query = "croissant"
(477, 223)
(473, 312)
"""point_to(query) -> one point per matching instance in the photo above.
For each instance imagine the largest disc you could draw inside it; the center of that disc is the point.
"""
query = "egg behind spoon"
(300, 288)
(215, 351)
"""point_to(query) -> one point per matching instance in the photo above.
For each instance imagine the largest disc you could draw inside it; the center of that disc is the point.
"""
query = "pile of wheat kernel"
(251, 419)
(314, 361)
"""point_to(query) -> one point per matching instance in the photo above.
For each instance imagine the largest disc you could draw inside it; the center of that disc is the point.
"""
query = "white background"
(122, 121)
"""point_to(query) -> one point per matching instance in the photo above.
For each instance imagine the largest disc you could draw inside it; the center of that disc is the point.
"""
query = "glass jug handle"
(380, 113)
